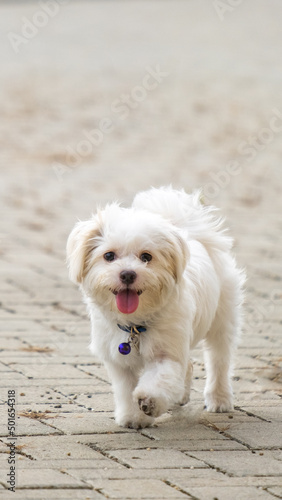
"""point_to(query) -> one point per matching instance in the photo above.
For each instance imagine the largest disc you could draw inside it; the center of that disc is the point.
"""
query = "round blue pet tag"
(124, 348)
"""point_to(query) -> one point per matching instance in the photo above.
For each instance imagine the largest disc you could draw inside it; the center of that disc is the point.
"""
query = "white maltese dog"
(157, 279)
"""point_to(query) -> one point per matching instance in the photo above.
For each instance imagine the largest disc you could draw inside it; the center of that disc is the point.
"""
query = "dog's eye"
(145, 257)
(109, 256)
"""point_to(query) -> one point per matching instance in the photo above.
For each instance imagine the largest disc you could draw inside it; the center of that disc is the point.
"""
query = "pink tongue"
(127, 301)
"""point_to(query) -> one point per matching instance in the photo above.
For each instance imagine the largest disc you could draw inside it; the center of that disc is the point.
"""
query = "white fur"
(191, 291)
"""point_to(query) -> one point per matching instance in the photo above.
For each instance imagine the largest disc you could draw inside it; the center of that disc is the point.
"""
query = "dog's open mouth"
(127, 300)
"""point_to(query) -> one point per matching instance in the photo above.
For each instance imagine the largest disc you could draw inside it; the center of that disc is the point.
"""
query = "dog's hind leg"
(219, 347)
(188, 384)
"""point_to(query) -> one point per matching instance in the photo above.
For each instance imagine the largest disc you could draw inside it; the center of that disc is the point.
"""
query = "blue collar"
(133, 328)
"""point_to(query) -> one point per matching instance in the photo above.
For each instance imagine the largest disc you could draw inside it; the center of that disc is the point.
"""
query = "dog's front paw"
(218, 404)
(139, 421)
(151, 406)
(148, 406)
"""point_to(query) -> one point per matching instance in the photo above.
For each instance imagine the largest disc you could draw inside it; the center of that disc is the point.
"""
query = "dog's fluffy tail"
(187, 212)
(174, 205)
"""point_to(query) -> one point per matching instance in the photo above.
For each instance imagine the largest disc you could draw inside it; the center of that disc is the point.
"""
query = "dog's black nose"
(128, 277)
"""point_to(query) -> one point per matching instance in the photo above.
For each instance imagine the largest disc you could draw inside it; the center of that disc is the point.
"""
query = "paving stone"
(204, 444)
(11, 344)
(98, 402)
(71, 466)
(213, 478)
(173, 476)
(21, 462)
(9, 377)
(95, 369)
(56, 494)
(84, 423)
(24, 425)
(85, 388)
(42, 395)
(125, 441)
(48, 370)
(181, 431)
(158, 459)
(52, 383)
(276, 491)
(234, 418)
(149, 488)
(260, 399)
(27, 478)
(242, 463)
(56, 447)
(229, 493)
(5, 368)
(243, 362)
(53, 408)
(258, 435)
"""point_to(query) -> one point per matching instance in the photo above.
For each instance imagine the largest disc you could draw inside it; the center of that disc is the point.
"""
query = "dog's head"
(128, 261)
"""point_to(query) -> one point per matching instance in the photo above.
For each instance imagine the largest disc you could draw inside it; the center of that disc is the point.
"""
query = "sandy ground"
(99, 99)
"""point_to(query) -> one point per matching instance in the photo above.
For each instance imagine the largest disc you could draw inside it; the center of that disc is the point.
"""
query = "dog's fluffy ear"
(82, 240)
(177, 255)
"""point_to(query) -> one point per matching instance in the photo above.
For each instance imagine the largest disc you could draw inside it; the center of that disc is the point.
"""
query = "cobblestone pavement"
(97, 101)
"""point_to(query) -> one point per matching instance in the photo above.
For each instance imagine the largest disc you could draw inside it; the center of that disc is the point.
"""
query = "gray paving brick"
(30, 427)
(48, 370)
(40, 395)
(84, 423)
(47, 447)
(56, 494)
(72, 466)
(115, 441)
(149, 488)
(173, 476)
(229, 493)
(276, 491)
(243, 463)
(125, 441)
(258, 435)
(182, 430)
(84, 388)
(27, 478)
(158, 459)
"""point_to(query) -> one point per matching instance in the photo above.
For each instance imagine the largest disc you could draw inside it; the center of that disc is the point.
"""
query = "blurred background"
(100, 99)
